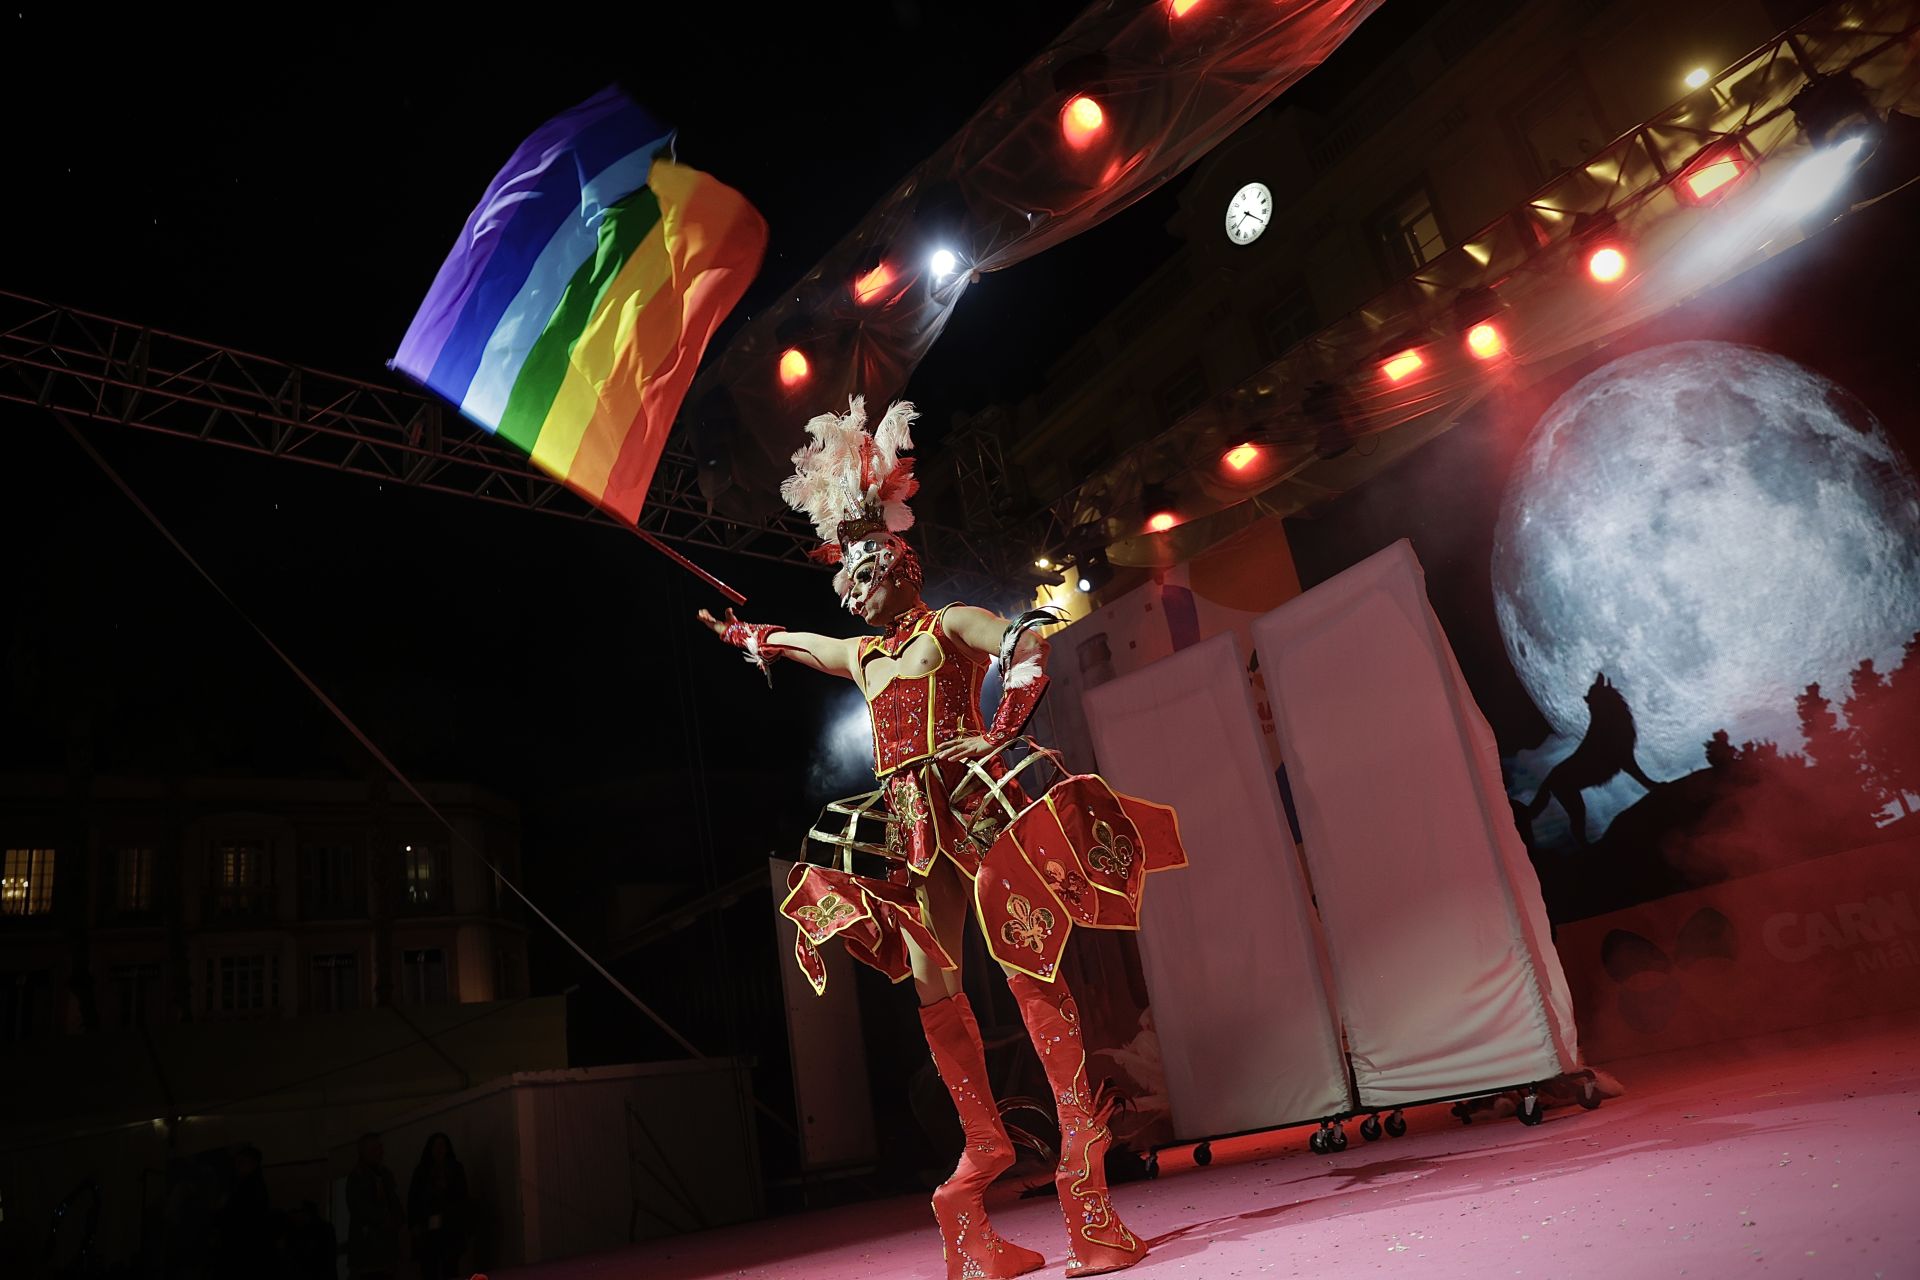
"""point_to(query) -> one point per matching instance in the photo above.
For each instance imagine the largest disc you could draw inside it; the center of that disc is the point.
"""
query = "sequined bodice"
(913, 716)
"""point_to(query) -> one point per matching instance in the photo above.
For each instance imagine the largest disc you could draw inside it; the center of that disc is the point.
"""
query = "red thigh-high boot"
(1097, 1241)
(974, 1250)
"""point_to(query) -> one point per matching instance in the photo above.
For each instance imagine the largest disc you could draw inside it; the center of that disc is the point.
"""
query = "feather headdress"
(851, 483)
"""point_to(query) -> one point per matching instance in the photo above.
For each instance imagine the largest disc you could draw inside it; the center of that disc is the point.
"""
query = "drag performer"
(958, 831)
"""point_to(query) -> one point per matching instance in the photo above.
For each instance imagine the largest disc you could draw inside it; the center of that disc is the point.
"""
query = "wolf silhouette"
(1605, 751)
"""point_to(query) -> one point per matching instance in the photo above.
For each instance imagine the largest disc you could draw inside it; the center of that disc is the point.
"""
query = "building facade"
(1348, 184)
(126, 903)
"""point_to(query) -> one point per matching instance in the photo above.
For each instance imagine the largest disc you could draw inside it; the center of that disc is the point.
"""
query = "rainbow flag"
(573, 310)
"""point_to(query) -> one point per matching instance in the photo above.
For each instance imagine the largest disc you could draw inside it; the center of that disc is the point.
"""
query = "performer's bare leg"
(944, 896)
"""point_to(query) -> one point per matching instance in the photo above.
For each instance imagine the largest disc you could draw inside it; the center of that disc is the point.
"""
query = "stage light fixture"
(793, 367)
(1329, 417)
(1081, 121)
(1241, 456)
(1698, 77)
(1402, 365)
(1606, 264)
(872, 284)
(943, 263)
(1090, 563)
(1161, 521)
(1485, 340)
(1181, 8)
(1832, 107)
(1710, 177)
(1043, 562)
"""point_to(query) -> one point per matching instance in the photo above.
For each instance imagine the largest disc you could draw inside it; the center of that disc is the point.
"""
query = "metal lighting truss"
(87, 366)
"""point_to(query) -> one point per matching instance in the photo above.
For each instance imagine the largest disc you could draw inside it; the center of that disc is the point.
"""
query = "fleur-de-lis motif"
(1067, 885)
(819, 919)
(1030, 926)
(1112, 854)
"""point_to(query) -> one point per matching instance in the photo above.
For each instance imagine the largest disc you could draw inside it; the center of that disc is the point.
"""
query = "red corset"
(912, 717)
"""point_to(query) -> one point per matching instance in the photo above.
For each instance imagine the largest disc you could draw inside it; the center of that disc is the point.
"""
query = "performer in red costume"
(959, 830)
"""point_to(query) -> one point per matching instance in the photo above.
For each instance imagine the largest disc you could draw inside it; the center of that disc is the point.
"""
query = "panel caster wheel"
(1337, 1138)
(1153, 1164)
(1396, 1125)
(1203, 1154)
(1370, 1128)
(1318, 1142)
(1589, 1094)
(1530, 1112)
(1464, 1112)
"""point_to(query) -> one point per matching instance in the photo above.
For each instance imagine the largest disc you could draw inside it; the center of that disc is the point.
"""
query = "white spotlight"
(1086, 588)
(1697, 77)
(1815, 180)
(944, 263)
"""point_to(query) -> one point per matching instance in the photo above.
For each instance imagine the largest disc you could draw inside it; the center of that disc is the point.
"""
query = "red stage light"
(793, 367)
(1485, 340)
(1181, 7)
(873, 284)
(1714, 176)
(1606, 264)
(1082, 120)
(1161, 521)
(1399, 368)
(1241, 456)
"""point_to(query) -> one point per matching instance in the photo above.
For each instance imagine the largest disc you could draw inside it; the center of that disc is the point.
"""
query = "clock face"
(1249, 212)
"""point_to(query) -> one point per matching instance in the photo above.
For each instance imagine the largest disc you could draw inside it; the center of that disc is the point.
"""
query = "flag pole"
(688, 565)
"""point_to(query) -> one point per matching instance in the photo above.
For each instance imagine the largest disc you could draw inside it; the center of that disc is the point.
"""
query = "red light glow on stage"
(1711, 179)
(1082, 120)
(1161, 521)
(1606, 264)
(793, 367)
(1181, 8)
(1485, 340)
(873, 284)
(1241, 456)
(1403, 366)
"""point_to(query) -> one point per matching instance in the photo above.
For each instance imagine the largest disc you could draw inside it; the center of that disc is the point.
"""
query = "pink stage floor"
(1795, 1157)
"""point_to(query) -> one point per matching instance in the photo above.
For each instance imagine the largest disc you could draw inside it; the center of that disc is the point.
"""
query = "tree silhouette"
(1898, 730)
(1721, 753)
(1870, 723)
(1826, 741)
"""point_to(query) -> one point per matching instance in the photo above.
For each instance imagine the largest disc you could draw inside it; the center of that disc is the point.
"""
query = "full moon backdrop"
(1716, 511)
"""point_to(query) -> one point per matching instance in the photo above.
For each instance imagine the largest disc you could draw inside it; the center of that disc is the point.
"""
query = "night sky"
(292, 192)
(289, 186)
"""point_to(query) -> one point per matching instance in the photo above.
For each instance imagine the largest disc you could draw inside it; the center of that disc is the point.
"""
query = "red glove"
(751, 637)
(1018, 697)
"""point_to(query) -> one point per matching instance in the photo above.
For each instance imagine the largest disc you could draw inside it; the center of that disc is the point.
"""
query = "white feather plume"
(843, 474)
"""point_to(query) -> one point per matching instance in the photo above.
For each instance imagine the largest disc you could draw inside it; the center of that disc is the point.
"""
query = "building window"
(242, 985)
(424, 976)
(239, 880)
(133, 881)
(1411, 232)
(26, 882)
(506, 974)
(334, 983)
(330, 882)
(1181, 394)
(421, 891)
(1287, 324)
(26, 1005)
(137, 992)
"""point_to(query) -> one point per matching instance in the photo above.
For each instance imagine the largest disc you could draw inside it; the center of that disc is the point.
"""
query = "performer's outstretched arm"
(833, 655)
